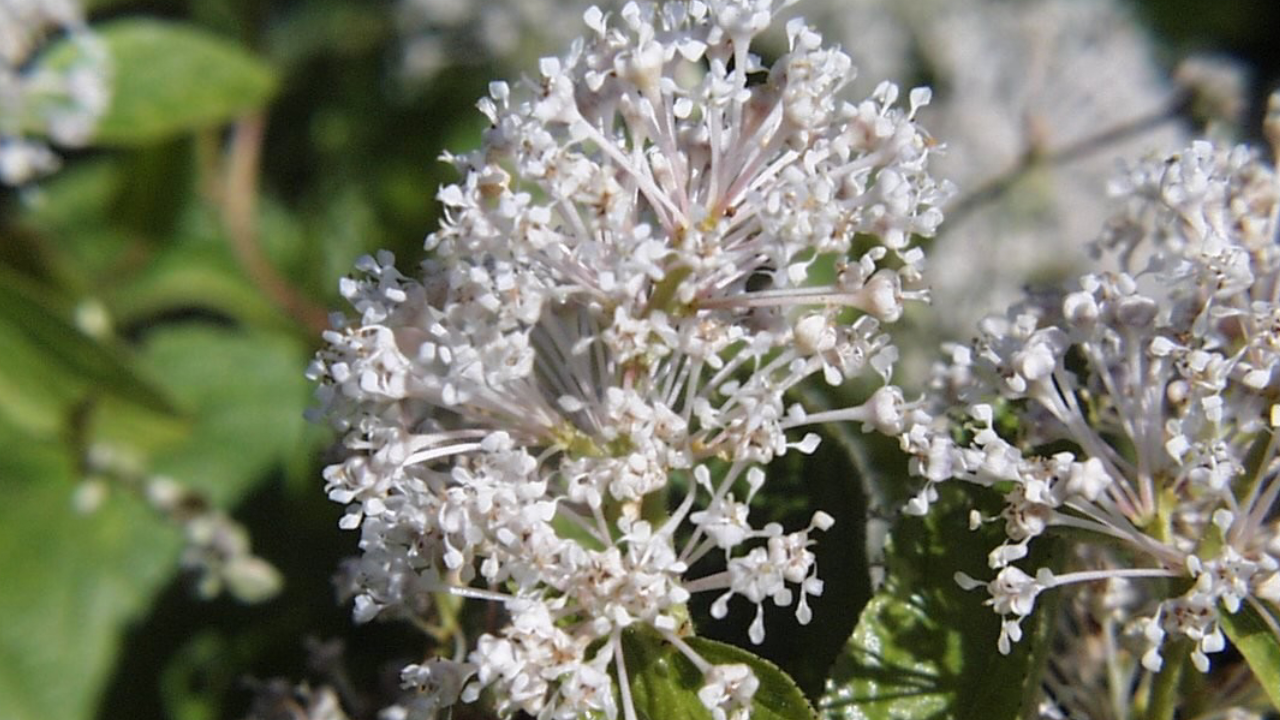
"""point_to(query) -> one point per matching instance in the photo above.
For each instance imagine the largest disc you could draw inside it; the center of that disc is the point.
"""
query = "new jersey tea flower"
(1145, 409)
(571, 404)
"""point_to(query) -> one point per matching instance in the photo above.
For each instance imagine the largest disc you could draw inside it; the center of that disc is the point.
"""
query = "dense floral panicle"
(43, 103)
(1156, 387)
(569, 407)
(1056, 90)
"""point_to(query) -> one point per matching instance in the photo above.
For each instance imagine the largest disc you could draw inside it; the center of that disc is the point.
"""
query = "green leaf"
(29, 318)
(924, 647)
(35, 394)
(73, 239)
(245, 393)
(72, 583)
(665, 683)
(170, 78)
(196, 674)
(193, 277)
(1260, 647)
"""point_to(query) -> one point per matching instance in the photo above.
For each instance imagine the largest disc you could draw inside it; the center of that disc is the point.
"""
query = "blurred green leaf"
(35, 394)
(66, 351)
(334, 28)
(1260, 647)
(170, 78)
(159, 180)
(99, 218)
(245, 393)
(284, 239)
(196, 676)
(94, 6)
(78, 195)
(72, 582)
(67, 234)
(665, 683)
(346, 228)
(925, 648)
(197, 277)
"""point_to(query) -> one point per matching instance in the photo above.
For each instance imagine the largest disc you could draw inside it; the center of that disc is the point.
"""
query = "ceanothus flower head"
(570, 405)
(1156, 387)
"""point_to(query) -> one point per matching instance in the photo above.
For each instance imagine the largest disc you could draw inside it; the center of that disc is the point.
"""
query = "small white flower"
(728, 692)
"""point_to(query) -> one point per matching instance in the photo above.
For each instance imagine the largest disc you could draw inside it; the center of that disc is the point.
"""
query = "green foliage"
(76, 582)
(244, 392)
(1260, 647)
(185, 365)
(170, 78)
(69, 352)
(924, 647)
(186, 276)
(72, 583)
(665, 683)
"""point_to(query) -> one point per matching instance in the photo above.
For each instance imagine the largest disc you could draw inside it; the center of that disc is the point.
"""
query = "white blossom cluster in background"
(1031, 85)
(1022, 89)
(217, 554)
(571, 405)
(43, 103)
(1139, 409)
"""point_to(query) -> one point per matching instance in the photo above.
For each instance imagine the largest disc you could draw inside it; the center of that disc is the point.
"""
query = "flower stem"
(238, 200)
(1162, 703)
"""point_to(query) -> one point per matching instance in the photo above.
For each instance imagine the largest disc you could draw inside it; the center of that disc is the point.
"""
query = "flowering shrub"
(644, 428)
(573, 402)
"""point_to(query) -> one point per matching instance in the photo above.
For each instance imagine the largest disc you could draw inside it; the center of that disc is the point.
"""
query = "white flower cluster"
(1036, 100)
(218, 553)
(1144, 403)
(1028, 94)
(38, 102)
(570, 407)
